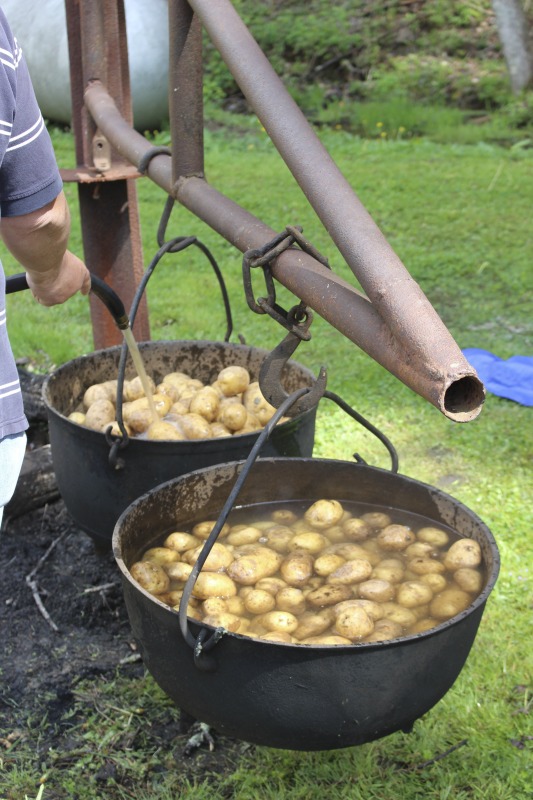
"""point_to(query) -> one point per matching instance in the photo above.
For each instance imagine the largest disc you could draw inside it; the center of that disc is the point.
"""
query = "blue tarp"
(511, 378)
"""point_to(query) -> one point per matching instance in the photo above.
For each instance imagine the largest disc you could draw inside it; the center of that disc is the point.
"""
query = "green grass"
(460, 218)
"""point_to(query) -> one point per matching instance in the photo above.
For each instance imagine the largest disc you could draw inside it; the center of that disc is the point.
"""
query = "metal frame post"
(106, 188)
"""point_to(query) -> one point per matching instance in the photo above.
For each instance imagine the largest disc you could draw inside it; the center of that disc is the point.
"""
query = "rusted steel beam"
(185, 90)
(108, 207)
(446, 381)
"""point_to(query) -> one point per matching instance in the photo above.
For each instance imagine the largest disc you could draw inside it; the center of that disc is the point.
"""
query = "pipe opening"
(464, 399)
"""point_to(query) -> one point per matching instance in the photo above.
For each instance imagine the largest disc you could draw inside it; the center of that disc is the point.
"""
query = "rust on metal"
(107, 195)
(394, 323)
(448, 383)
(185, 96)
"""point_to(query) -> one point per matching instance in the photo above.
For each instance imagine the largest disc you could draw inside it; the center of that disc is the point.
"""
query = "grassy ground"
(460, 219)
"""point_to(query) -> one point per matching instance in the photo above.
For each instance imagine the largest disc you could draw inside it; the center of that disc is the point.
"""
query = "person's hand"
(55, 286)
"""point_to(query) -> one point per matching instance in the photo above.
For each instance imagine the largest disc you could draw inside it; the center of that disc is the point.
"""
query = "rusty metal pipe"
(388, 284)
(455, 391)
(185, 100)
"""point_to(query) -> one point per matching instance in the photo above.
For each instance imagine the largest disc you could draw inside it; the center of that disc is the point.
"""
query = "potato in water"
(331, 573)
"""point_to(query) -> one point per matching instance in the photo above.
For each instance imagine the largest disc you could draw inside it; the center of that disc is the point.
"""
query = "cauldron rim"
(477, 603)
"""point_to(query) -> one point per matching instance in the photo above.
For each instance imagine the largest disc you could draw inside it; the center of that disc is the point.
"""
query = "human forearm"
(39, 240)
(39, 243)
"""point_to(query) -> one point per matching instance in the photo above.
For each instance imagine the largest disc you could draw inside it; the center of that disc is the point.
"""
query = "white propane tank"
(41, 31)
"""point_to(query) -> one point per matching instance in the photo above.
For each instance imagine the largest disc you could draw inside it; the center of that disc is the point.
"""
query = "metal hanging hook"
(271, 372)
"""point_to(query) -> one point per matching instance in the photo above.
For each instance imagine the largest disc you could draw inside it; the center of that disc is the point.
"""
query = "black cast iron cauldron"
(297, 697)
(94, 491)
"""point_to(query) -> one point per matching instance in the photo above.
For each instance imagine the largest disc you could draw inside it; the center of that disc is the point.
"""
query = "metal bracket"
(101, 152)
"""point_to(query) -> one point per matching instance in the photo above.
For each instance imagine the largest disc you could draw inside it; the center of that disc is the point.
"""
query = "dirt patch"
(58, 662)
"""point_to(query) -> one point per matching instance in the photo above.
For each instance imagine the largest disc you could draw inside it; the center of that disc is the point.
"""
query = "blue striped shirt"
(29, 179)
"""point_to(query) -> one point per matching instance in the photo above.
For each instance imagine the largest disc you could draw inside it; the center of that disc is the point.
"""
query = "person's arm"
(38, 241)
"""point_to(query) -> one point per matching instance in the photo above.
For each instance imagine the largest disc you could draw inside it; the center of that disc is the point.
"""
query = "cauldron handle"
(202, 644)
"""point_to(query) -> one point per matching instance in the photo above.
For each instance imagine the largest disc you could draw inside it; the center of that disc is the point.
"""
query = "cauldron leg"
(186, 721)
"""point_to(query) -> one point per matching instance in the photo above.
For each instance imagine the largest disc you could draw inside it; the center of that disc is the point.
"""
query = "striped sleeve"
(29, 176)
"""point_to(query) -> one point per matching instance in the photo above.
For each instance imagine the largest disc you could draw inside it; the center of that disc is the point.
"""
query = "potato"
(180, 407)
(235, 605)
(378, 590)
(177, 379)
(423, 566)
(278, 538)
(195, 426)
(168, 390)
(413, 593)
(133, 389)
(203, 529)
(335, 534)
(160, 555)
(99, 415)
(150, 576)
(98, 391)
(258, 601)
(233, 416)
(310, 542)
(230, 622)
(329, 595)
(353, 623)
(349, 551)
(374, 610)
(356, 529)
(214, 605)
(178, 571)
(324, 513)
(252, 424)
(164, 431)
(256, 403)
(377, 519)
(296, 568)
(219, 431)
(245, 535)
(311, 623)
(385, 629)
(434, 536)
(423, 625)
(397, 613)
(292, 599)
(272, 585)
(181, 541)
(283, 516)
(139, 419)
(353, 571)
(389, 569)
(250, 568)
(213, 584)
(448, 603)
(328, 563)
(219, 557)
(77, 417)
(282, 621)
(435, 581)
(468, 579)
(233, 380)
(395, 537)
(463, 553)
(421, 550)
(205, 403)
(171, 598)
